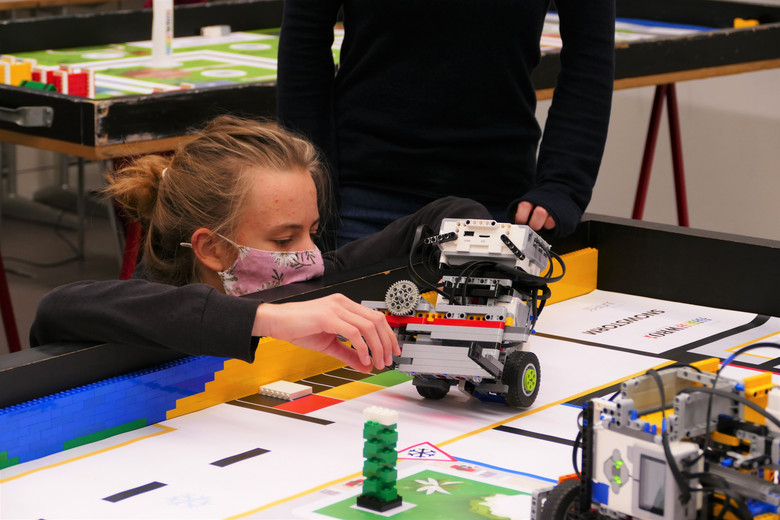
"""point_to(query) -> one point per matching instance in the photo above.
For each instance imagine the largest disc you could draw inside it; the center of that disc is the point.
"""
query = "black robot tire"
(522, 375)
(561, 503)
(431, 388)
(432, 392)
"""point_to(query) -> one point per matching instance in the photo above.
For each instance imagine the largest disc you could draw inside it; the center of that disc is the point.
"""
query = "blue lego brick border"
(75, 417)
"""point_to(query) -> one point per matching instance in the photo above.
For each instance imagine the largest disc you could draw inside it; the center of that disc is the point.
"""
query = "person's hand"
(535, 216)
(316, 325)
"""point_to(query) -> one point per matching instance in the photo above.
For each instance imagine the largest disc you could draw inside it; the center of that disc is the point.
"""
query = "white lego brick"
(418, 351)
(445, 365)
(487, 334)
(773, 407)
(215, 31)
(285, 390)
(460, 370)
(381, 415)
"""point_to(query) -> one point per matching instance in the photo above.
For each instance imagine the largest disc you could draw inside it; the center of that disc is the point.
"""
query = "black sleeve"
(195, 319)
(396, 239)
(306, 70)
(576, 129)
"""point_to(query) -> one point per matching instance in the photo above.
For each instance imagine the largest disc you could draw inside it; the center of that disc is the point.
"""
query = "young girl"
(233, 211)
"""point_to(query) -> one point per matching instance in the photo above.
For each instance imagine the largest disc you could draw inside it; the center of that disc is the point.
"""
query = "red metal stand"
(9, 322)
(668, 92)
(133, 234)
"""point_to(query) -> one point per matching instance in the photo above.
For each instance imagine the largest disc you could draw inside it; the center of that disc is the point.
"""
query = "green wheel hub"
(529, 380)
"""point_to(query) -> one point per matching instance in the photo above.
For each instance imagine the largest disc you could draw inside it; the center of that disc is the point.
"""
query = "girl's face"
(281, 212)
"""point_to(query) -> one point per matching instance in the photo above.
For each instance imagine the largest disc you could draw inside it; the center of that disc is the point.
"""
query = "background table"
(101, 129)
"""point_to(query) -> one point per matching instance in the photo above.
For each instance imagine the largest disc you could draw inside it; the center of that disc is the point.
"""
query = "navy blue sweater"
(434, 97)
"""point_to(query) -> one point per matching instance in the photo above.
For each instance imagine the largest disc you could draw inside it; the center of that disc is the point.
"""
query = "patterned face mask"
(256, 270)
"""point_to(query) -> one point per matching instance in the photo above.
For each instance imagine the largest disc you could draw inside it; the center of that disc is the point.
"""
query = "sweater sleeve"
(576, 128)
(306, 70)
(396, 239)
(195, 319)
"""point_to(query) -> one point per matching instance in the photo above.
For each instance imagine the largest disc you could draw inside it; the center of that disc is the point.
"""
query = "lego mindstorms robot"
(680, 443)
(489, 296)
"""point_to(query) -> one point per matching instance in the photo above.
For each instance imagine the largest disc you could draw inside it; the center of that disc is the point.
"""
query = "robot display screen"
(652, 483)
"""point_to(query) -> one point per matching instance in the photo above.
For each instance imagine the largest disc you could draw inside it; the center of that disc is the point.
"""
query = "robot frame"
(679, 443)
(490, 294)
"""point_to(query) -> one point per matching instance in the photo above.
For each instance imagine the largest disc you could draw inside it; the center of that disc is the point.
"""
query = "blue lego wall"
(92, 412)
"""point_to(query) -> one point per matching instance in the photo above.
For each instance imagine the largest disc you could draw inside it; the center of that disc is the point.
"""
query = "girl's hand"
(316, 325)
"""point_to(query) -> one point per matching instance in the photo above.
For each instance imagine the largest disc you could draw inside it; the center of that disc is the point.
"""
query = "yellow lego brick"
(431, 297)
(741, 23)
(351, 390)
(580, 278)
(21, 71)
(710, 365)
(757, 389)
(722, 438)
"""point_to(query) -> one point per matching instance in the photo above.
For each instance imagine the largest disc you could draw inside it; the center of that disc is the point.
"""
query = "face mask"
(256, 270)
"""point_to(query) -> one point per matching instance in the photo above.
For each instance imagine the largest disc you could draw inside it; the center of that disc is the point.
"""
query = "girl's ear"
(209, 250)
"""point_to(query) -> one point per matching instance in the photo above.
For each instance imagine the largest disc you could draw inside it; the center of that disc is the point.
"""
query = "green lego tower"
(380, 492)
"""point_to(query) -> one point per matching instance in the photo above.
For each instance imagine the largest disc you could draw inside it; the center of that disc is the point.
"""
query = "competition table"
(660, 294)
(128, 125)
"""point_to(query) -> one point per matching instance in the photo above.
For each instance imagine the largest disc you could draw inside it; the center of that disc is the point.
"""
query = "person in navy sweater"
(434, 97)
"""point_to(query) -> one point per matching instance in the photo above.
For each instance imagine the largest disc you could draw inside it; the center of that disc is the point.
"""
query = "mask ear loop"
(228, 240)
(189, 245)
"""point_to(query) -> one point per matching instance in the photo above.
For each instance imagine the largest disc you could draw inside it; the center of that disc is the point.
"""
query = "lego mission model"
(489, 296)
(680, 443)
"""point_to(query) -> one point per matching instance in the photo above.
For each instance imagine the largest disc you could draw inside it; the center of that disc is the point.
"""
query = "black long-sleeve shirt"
(435, 97)
(197, 319)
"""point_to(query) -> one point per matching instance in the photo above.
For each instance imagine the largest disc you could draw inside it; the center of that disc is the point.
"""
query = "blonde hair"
(205, 184)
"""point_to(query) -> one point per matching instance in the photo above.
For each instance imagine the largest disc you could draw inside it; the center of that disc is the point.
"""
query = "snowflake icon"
(189, 501)
(421, 453)
(431, 486)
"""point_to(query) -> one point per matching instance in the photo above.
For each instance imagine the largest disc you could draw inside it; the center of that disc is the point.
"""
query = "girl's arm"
(199, 320)
(195, 319)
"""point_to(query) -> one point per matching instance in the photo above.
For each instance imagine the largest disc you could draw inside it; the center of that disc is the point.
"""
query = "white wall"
(731, 149)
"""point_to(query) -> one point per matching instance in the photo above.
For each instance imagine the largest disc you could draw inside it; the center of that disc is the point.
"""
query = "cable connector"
(512, 247)
(440, 239)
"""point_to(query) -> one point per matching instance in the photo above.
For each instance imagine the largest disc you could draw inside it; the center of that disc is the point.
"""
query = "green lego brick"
(371, 486)
(389, 378)
(388, 476)
(372, 449)
(380, 454)
(7, 462)
(389, 437)
(37, 85)
(104, 434)
(387, 494)
(370, 467)
(372, 429)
